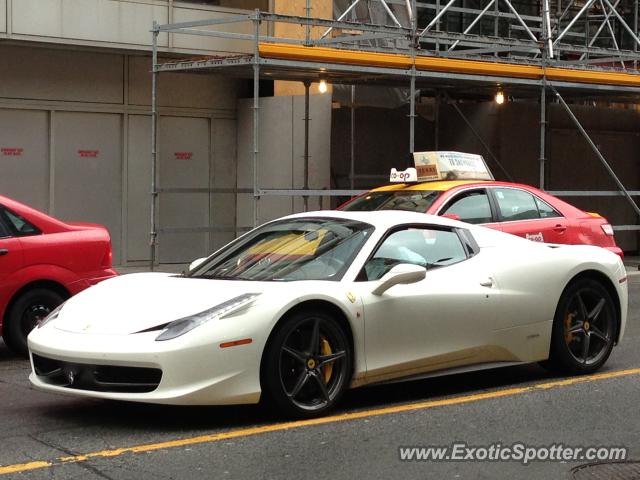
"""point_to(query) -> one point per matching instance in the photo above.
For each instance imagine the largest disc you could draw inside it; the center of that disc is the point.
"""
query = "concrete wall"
(82, 121)
(281, 160)
(121, 23)
(512, 133)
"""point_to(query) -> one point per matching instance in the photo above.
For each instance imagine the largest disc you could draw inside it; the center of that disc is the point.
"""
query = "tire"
(307, 365)
(584, 328)
(29, 308)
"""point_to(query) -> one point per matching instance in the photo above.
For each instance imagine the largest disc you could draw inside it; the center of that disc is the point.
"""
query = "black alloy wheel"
(584, 329)
(307, 364)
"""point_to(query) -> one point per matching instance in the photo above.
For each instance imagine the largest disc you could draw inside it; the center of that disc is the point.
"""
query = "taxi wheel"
(25, 313)
(307, 364)
(584, 328)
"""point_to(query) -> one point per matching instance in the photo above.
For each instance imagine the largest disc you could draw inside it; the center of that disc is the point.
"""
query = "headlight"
(52, 316)
(186, 324)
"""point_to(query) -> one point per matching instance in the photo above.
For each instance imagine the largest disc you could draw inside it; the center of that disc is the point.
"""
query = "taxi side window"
(514, 204)
(546, 210)
(427, 247)
(471, 207)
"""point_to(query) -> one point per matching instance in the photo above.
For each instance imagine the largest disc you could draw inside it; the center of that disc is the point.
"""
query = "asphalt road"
(44, 436)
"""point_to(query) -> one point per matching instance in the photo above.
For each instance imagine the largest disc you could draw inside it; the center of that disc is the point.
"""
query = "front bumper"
(192, 372)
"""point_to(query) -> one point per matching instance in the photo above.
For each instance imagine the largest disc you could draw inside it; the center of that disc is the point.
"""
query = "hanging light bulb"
(322, 86)
(500, 97)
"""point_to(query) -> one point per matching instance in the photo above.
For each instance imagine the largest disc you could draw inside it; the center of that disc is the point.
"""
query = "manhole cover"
(607, 471)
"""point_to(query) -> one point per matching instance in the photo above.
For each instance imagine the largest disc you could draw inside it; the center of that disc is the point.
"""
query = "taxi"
(473, 196)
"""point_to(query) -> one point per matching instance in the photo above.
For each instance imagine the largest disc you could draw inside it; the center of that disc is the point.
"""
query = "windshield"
(286, 250)
(409, 200)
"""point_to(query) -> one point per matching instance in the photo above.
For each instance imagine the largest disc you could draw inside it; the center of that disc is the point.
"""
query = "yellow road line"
(23, 467)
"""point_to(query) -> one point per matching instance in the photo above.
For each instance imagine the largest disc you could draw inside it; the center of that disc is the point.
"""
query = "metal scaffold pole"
(352, 142)
(543, 133)
(154, 153)
(305, 198)
(256, 117)
(547, 52)
(412, 101)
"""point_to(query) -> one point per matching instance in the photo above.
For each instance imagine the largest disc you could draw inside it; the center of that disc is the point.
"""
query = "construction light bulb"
(322, 86)
(500, 97)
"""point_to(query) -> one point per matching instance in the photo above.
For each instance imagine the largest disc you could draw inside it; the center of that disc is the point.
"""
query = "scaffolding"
(545, 49)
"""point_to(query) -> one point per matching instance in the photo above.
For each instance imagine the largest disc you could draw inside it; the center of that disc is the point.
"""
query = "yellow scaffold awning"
(438, 64)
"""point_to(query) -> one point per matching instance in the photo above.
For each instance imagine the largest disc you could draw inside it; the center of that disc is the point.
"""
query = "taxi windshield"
(287, 250)
(409, 200)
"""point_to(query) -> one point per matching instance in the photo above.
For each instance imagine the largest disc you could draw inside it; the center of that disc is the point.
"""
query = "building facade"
(75, 136)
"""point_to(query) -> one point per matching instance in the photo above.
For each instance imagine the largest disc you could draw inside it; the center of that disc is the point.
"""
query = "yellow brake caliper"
(568, 321)
(325, 349)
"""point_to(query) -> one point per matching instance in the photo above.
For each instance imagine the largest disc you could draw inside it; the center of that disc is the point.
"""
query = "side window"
(19, 225)
(546, 210)
(516, 204)
(426, 247)
(471, 207)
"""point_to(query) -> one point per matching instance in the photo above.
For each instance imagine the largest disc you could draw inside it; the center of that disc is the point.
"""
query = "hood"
(131, 303)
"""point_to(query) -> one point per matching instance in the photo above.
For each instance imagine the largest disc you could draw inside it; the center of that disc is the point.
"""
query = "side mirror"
(451, 216)
(196, 263)
(404, 273)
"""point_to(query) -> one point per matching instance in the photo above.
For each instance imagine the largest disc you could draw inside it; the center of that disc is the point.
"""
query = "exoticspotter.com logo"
(515, 452)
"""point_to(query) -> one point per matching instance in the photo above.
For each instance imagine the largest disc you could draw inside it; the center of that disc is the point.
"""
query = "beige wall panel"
(219, 240)
(94, 20)
(138, 178)
(223, 205)
(48, 74)
(88, 171)
(197, 42)
(268, 209)
(180, 90)
(184, 150)
(245, 210)
(319, 147)
(281, 153)
(24, 156)
(3, 15)
(224, 153)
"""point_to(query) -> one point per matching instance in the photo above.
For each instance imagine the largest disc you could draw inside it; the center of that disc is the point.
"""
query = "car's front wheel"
(25, 313)
(584, 328)
(307, 364)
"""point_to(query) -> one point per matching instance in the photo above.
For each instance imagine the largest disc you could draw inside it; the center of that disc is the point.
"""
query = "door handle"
(560, 228)
(3, 251)
(487, 282)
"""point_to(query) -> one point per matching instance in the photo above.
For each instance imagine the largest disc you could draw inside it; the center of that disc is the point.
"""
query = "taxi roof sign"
(405, 176)
(430, 166)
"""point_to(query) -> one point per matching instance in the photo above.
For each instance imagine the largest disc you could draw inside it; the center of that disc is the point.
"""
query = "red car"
(511, 207)
(44, 261)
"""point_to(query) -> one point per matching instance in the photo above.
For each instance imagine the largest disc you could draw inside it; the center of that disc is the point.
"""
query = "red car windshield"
(409, 200)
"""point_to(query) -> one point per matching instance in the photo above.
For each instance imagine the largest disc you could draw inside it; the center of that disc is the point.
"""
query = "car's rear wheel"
(584, 328)
(307, 364)
(25, 313)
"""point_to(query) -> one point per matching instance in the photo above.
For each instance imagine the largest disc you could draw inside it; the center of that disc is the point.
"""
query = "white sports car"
(304, 307)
